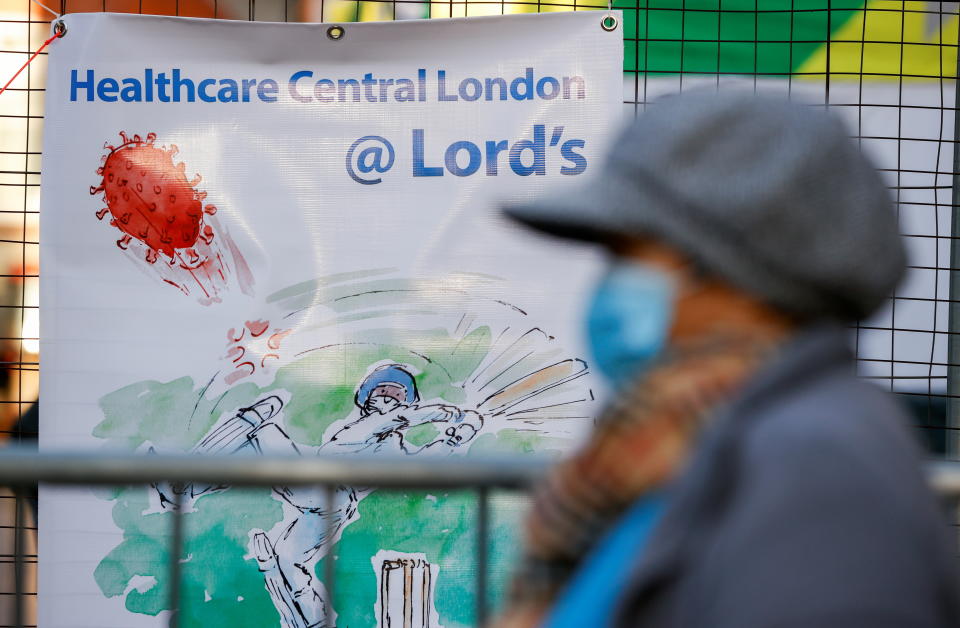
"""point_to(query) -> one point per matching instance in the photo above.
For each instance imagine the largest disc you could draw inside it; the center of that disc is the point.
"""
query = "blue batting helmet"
(388, 374)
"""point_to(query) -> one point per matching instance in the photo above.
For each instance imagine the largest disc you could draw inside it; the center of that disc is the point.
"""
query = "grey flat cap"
(771, 195)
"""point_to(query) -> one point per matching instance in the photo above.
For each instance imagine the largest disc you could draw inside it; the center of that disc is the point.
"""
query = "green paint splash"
(513, 441)
(442, 526)
(220, 587)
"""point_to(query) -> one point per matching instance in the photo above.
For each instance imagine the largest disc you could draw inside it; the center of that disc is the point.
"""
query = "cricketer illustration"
(387, 408)
(368, 362)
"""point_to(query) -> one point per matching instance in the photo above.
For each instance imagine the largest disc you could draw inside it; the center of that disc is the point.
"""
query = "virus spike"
(144, 233)
(137, 139)
(193, 258)
(125, 219)
(210, 210)
(206, 234)
(274, 341)
(102, 213)
(123, 136)
(249, 365)
(257, 328)
(173, 150)
(182, 167)
(195, 180)
(151, 256)
(151, 138)
(124, 242)
(165, 237)
(201, 196)
(94, 190)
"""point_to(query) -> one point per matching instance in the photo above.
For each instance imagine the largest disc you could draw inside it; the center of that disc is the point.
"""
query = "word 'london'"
(303, 87)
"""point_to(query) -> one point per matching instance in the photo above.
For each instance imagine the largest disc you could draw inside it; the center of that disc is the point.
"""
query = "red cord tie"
(58, 32)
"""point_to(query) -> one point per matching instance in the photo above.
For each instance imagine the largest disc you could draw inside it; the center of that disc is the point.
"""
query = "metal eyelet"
(609, 23)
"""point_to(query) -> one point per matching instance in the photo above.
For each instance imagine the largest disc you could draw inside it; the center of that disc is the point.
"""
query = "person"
(386, 401)
(743, 476)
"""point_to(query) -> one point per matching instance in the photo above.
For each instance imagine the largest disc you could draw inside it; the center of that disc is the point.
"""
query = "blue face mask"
(629, 319)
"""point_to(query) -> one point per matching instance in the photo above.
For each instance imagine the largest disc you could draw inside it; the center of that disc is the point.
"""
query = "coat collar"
(701, 492)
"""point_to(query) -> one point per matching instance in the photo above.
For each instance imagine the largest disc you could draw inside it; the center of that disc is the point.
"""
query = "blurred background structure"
(889, 68)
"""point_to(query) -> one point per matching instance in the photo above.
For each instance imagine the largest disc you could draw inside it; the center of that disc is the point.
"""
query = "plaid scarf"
(639, 445)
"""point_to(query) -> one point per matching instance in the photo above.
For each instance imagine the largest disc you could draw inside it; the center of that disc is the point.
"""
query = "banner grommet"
(59, 28)
(336, 33)
(609, 23)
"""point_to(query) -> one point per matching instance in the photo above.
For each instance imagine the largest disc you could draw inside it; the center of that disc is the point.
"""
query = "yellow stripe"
(899, 42)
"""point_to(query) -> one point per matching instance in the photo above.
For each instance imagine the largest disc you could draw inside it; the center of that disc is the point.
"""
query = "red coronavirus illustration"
(164, 220)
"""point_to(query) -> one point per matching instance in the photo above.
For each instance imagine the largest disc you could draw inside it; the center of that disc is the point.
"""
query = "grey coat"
(803, 506)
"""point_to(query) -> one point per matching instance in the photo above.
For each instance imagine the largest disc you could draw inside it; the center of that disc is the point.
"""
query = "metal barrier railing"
(99, 468)
(20, 467)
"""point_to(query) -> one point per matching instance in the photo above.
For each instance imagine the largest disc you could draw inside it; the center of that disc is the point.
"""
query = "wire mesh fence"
(889, 68)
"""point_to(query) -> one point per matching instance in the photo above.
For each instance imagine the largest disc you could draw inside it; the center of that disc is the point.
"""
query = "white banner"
(284, 238)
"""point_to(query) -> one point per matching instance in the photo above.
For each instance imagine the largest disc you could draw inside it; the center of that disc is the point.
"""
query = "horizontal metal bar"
(20, 466)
